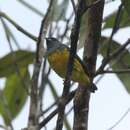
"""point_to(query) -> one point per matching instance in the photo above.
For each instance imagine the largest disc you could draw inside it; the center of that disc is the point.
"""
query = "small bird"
(58, 54)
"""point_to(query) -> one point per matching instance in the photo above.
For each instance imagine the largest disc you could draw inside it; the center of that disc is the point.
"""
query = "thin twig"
(11, 34)
(50, 107)
(48, 118)
(35, 10)
(67, 26)
(18, 27)
(42, 86)
(115, 54)
(69, 111)
(119, 121)
(121, 71)
(114, 30)
(120, 50)
(109, 42)
(74, 7)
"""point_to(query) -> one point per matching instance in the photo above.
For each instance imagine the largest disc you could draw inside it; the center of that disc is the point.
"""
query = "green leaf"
(14, 95)
(122, 62)
(14, 60)
(127, 5)
(124, 20)
(109, 21)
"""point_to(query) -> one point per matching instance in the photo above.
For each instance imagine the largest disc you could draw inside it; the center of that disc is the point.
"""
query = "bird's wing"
(83, 65)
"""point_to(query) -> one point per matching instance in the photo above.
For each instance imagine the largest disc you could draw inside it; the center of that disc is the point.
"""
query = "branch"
(34, 108)
(121, 71)
(10, 33)
(35, 10)
(93, 33)
(18, 27)
(74, 39)
(67, 26)
(49, 108)
(66, 100)
(124, 115)
(74, 7)
(112, 56)
(115, 28)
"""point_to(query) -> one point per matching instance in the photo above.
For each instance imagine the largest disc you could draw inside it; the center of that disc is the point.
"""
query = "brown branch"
(34, 108)
(66, 100)
(74, 39)
(82, 96)
(18, 27)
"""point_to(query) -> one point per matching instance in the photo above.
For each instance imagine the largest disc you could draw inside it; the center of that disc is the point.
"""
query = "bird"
(57, 55)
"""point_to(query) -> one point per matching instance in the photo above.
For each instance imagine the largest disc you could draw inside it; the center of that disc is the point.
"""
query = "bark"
(82, 97)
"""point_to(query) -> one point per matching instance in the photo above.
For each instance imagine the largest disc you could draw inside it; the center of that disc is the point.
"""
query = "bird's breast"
(58, 61)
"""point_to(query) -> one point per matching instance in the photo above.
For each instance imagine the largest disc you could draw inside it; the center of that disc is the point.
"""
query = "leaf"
(109, 21)
(14, 95)
(122, 63)
(14, 60)
(127, 5)
(124, 20)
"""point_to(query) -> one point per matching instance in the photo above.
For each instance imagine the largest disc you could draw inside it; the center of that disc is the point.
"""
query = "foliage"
(14, 65)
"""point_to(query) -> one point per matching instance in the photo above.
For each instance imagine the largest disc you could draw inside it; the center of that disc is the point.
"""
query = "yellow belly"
(58, 62)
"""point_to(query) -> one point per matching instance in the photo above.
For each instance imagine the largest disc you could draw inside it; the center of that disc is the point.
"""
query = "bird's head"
(52, 43)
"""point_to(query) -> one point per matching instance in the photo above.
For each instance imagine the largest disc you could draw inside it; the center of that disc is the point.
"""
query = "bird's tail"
(93, 88)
